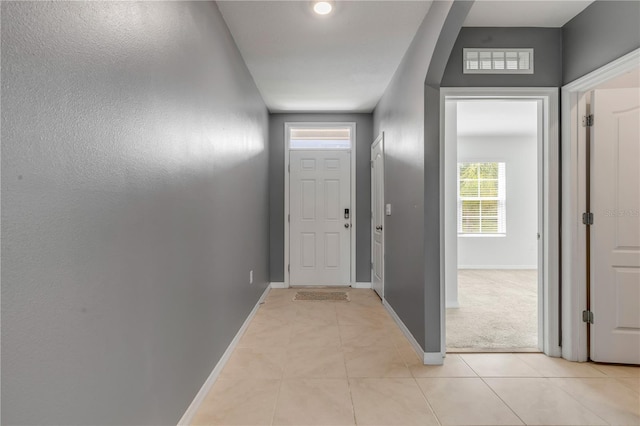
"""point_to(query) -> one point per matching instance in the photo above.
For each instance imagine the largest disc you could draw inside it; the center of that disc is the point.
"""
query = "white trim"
(279, 285)
(428, 358)
(548, 285)
(361, 285)
(378, 140)
(353, 213)
(448, 208)
(433, 358)
(574, 331)
(509, 267)
(188, 415)
(613, 69)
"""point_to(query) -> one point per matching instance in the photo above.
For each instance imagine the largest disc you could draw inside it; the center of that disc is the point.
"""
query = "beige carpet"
(498, 311)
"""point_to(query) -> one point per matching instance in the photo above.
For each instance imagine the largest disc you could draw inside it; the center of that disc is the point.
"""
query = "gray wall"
(434, 262)
(400, 114)
(604, 31)
(364, 135)
(134, 204)
(547, 45)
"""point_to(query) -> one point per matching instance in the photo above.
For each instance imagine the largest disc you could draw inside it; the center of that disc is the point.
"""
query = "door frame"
(380, 140)
(548, 310)
(287, 134)
(574, 256)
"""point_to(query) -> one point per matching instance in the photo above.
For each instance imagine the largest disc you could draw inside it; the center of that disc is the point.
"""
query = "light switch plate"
(387, 209)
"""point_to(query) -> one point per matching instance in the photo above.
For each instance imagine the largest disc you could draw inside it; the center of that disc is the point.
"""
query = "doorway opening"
(500, 159)
(320, 207)
(493, 305)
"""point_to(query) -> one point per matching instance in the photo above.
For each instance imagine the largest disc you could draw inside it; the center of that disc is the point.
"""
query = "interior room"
(497, 227)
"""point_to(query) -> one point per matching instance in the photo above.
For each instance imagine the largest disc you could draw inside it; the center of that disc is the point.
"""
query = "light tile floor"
(344, 363)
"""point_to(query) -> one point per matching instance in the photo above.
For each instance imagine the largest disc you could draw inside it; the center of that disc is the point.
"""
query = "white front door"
(615, 233)
(320, 217)
(377, 216)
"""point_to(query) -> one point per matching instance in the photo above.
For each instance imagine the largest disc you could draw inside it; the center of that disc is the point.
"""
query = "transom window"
(497, 61)
(481, 198)
(320, 138)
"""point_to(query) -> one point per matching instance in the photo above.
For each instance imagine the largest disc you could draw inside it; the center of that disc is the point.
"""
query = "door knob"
(379, 228)
(346, 225)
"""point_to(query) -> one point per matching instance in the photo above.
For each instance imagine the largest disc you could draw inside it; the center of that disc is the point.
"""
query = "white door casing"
(574, 260)
(377, 215)
(548, 316)
(615, 233)
(320, 234)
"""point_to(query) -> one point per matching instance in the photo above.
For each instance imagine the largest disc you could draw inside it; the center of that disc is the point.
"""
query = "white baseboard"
(188, 416)
(433, 358)
(452, 304)
(361, 285)
(428, 358)
(279, 285)
(497, 266)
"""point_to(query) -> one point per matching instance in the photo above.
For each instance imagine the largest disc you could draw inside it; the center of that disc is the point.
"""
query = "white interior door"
(320, 217)
(377, 216)
(615, 233)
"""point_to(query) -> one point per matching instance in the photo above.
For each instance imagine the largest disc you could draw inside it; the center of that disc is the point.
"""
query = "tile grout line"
(277, 399)
(346, 372)
(494, 391)
(412, 377)
(547, 379)
(573, 397)
(275, 405)
(428, 402)
(502, 400)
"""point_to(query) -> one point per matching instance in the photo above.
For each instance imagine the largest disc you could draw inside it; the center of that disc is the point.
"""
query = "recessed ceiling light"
(322, 7)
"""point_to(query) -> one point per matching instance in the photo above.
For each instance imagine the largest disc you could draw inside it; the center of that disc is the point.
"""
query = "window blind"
(482, 198)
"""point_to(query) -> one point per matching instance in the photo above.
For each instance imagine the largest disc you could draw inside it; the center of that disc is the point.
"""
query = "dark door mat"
(337, 296)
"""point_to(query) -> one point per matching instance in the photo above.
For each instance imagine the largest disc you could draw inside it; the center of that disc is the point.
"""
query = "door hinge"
(289, 218)
(587, 316)
(371, 163)
(288, 268)
(587, 120)
(371, 265)
(587, 218)
(289, 168)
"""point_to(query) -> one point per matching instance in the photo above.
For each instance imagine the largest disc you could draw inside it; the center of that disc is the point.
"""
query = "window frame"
(322, 143)
(501, 200)
(490, 55)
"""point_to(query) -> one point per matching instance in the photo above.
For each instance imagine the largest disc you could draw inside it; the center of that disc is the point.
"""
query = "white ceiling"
(497, 118)
(344, 61)
(523, 13)
(304, 62)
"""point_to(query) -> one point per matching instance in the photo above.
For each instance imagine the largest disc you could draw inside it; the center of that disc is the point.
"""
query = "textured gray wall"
(134, 204)
(547, 45)
(604, 31)
(400, 114)
(433, 173)
(364, 135)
